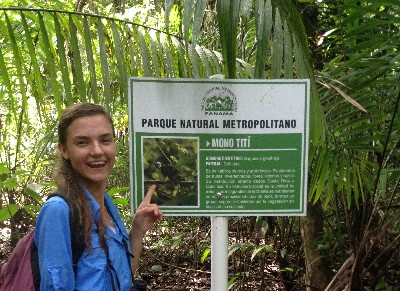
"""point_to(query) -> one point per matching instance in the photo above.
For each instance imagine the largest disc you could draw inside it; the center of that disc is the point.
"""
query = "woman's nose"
(96, 148)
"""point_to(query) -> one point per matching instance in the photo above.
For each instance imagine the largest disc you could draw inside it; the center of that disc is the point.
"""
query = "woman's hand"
(146, 215)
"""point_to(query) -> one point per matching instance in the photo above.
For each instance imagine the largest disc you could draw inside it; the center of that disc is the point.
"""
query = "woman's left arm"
(145, 217)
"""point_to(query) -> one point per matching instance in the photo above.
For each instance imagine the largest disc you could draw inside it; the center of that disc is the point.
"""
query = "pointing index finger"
(149, 194)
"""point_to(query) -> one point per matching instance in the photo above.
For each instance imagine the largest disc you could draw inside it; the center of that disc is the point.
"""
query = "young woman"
(87, 154)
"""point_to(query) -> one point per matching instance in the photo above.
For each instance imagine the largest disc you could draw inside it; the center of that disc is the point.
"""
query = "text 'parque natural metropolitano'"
(215, 123)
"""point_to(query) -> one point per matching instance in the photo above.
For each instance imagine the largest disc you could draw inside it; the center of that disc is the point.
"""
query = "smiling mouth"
(96, 165)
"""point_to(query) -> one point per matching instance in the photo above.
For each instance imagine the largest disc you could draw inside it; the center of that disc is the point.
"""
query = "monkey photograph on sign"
(171, 164)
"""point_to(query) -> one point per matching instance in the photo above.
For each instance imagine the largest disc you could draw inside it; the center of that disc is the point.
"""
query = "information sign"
(220, 147)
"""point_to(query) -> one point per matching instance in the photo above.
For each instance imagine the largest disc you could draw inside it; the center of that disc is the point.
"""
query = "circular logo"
(219, 101)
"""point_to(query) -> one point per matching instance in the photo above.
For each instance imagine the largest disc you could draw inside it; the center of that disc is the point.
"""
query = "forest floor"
(176, 262)
(171, 260)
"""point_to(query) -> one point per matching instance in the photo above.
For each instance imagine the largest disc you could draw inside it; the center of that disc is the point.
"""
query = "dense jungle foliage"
(54, 53)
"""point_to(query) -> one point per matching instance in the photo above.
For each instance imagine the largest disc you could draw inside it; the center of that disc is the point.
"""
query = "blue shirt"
(52, 237)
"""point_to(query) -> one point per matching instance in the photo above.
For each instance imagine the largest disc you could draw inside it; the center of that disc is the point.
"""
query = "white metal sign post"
(244, 145)
(219, 253)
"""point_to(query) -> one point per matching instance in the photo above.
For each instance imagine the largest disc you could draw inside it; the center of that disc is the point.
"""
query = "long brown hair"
(66, 178)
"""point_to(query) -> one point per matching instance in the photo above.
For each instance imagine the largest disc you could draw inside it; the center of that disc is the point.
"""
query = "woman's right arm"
(53, 240)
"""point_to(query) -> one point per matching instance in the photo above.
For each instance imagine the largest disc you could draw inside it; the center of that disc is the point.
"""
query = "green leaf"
(117, 190)
(199, 10)
(30, 190)
(228, 22)
(4, 74)
(90, 60)
(104, 64)
(187, 13)
(263, 32)
(334, 161)
(120, 60)
(233, 248)
(121, 201)
(144, 51)
(256, 251)
(277, 47)
(50, 63)
(77, 60)
(3, 168)
(33, 210)
(283, 252)
(323, 174)
(8, 211)
(232, 282)
(154, 53)
(205, 255)
(157, 268)
(63, 60)
(167, 8)
(10, 184)
(37, 80)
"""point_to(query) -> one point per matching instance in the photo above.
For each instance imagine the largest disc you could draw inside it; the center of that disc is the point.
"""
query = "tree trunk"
(318, 273)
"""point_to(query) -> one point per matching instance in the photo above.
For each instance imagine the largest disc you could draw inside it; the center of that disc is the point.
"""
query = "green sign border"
(196, 210)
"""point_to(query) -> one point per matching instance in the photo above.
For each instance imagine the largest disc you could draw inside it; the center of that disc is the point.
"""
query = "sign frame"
(155, 113)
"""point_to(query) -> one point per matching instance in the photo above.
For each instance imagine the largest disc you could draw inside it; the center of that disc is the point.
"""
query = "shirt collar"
(94, 206)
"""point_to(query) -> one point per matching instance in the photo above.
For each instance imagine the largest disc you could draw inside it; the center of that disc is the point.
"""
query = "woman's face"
(91, 149)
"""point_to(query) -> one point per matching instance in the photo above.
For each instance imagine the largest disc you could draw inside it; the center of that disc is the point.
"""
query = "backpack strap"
(77, 242)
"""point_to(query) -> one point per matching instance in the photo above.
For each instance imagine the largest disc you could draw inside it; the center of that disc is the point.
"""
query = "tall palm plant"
(360, 98)
(50, 58)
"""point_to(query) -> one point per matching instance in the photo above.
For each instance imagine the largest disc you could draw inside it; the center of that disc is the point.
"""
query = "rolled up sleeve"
(53, 240)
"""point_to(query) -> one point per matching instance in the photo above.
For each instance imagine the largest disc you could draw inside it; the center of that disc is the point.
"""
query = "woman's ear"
(63, 151)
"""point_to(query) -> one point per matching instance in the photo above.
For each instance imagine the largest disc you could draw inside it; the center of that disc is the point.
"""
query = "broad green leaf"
(33, 210)
(8, 211)
(4, 74)
(90, 60)
(232, 248)
(262, 248)
(114, 191)
(104, 64)
(383, 179)
(167, 8)
(63, 60)
(3, 168)
(198, 16)
(119, 53)
(205, 255)
(77, 61)
(232, 282)
(168, 58)
(228, 22)
(263, 18)
(157, 268)
(204, 61)
(33, 194)
(10, 184)
(145, 55)
(347, 185)
(154, 54)
(322, 174)
(277, 47)
(50, 64)
(187, 14)
(194, 61)
(36, 81)
(288, 53)
(331, 181)
(121, 201)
